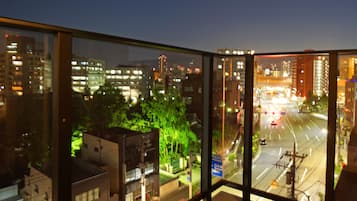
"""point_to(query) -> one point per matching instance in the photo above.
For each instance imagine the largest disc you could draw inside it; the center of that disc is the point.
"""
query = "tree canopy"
(167, 112)
(107, 108)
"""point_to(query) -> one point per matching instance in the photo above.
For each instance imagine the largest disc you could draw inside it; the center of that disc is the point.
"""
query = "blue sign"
(216, 167)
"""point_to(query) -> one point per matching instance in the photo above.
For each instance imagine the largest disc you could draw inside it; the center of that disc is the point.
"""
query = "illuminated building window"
(84, 196)
(90, 195)
(96, 193)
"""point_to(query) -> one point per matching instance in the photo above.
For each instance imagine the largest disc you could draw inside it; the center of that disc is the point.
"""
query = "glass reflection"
(227, 118)
(290, 125)
(345, 124)
(25, 114)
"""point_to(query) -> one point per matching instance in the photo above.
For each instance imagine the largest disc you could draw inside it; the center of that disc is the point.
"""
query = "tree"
(167, 112)
(107, 108)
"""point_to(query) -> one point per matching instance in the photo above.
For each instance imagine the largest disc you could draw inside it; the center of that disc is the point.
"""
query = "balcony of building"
(90, 116)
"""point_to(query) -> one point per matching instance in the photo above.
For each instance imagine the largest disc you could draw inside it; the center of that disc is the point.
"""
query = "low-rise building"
(131, 159)
(88, 183)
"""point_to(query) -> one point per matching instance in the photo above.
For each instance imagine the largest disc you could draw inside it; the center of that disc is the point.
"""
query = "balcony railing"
(87, 116)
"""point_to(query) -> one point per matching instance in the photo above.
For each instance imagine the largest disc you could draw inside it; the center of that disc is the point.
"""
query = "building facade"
(88, 183)
(130, 157)
(304, 75)
(133, 81)
(87, 74)
(24, 68)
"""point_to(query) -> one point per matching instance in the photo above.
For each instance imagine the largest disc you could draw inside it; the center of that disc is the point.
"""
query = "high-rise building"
(304, 75)
(134, 81)
(234, 66)
(160, 73)
(233, 70)
(311, 75)
(347, 67)
(87, 74)
(350, 101)
(171, 76)
(192, 94)
(23, 67)
(320, 76)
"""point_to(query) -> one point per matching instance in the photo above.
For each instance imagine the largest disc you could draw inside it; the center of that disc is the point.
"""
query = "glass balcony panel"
(123, 93)
(290, 124)
(227, 118)
(346, 120)
(25, 114)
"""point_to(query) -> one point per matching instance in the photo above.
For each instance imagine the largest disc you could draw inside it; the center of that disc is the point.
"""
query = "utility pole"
(291, 165)
(293, 171)
(189, 176)
(142, 168)
(145, 147)
(223, 100)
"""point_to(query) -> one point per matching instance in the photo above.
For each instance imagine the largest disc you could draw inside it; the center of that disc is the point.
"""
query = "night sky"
(266, 26)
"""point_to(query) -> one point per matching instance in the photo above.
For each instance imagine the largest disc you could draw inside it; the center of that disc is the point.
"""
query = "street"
(281, 126)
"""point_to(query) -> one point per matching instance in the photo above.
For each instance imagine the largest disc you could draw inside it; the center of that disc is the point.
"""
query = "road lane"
(307, 131)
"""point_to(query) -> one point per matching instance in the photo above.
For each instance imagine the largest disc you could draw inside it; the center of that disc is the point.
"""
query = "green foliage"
(167, 112)
(321, 196)
(231, 157)
(107, 108)
(137, 123)
(255, 139)
(318, 103)
(216, 139)
(76, 142)
(255, 147)
(80, 115)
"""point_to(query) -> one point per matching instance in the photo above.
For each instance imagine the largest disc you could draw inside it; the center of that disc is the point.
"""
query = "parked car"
(262, 141)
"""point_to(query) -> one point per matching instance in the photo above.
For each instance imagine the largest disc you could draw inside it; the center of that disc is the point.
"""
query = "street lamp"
(223, 99)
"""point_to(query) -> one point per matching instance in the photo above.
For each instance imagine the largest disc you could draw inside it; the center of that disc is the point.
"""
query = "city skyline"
(261, 26)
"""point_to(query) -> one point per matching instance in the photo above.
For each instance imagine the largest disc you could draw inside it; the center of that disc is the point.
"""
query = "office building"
(133, 81)
(87, 74)
(192, 93)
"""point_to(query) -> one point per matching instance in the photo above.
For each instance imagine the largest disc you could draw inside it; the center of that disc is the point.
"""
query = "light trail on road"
(306, 131)
(292, 131)
(303, 175)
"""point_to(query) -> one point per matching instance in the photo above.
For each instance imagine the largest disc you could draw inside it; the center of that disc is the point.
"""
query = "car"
(273, 123)
(262, 141)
